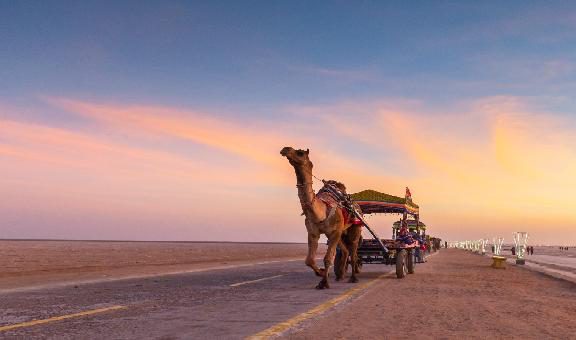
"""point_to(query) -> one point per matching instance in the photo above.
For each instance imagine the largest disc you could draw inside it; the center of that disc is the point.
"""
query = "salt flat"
(569, 262)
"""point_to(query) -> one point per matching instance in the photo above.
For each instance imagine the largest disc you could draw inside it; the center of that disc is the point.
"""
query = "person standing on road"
(422, 250)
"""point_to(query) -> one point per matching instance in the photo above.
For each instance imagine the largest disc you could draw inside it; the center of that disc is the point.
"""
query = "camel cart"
(415, 229)
(401, 249)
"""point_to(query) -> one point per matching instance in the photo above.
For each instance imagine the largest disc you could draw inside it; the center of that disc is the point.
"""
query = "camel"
(351, 239)
(321, 218)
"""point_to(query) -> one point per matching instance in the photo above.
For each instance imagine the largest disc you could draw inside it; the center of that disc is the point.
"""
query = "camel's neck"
(304, 185)
(312, 208)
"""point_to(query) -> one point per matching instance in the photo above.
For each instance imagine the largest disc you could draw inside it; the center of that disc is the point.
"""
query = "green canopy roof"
(411, 224)
(373, 195)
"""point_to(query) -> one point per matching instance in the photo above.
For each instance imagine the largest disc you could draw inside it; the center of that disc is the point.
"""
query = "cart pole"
(371, 231)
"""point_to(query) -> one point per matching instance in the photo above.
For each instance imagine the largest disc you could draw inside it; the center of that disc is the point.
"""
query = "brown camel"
(351, 239)
(321, 217)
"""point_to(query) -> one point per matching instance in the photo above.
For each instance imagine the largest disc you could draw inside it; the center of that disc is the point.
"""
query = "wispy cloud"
(249, 141)
(256, 141)
(63, 147)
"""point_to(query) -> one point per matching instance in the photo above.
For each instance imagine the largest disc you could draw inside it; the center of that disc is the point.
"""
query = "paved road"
(231, 303)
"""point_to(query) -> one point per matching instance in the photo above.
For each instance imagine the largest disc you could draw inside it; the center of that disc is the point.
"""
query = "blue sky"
(259, 54)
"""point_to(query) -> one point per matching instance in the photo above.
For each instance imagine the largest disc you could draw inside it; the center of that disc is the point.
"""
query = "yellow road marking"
(247, 282)
(58, 318)
(285, 325)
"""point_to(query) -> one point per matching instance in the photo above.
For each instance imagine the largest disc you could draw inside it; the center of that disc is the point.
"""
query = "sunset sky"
(163, 120)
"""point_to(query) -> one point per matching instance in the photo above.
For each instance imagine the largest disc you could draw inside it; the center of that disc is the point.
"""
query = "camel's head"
(296, 157)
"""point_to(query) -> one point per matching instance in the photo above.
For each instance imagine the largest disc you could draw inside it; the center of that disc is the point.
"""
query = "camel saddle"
(334, 198)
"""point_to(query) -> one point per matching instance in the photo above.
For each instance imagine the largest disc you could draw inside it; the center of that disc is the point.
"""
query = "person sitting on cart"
(403, 229)
(404, 234)
(406, 237)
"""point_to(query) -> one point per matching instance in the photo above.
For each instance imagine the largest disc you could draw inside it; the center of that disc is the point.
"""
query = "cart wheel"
(401, 264)
(410, 262)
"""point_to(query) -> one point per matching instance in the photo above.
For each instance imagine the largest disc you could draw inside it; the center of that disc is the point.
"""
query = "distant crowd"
(529, 250)
(563, 248)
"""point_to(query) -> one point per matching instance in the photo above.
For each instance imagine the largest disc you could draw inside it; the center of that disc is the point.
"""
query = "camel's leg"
(333, 240)
(354, 234)
(312, 248)
(342, 264)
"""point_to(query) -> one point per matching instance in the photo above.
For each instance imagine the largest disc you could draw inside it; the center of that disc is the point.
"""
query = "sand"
(455, 295)
(25, 264)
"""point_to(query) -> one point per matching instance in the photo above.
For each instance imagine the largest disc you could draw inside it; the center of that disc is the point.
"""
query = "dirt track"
(455, 295)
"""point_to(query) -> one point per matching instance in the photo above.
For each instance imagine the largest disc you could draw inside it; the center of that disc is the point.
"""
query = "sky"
(149, 120)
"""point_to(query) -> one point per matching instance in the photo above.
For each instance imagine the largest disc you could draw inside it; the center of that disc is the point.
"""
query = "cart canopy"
(411, 225)
(374, 202)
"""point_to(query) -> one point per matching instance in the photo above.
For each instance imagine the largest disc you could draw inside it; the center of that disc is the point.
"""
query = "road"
(229, 303)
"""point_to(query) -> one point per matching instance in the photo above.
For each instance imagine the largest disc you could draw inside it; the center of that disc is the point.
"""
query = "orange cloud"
(253, 140)
(59, 146)
(245, 139)
(85, 172)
